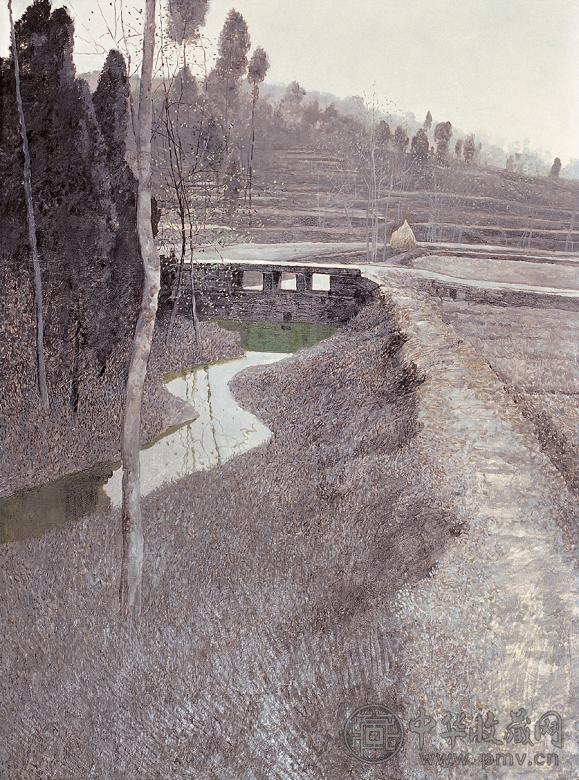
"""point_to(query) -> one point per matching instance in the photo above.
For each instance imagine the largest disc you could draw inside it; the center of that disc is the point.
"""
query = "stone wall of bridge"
(260, 292)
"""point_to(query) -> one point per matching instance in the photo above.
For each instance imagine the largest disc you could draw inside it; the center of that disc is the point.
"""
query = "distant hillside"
(491, 154)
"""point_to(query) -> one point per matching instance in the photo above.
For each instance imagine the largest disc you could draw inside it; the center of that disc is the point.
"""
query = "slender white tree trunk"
(375, 186)
(40, 358)
(368, 256)
(132, 565)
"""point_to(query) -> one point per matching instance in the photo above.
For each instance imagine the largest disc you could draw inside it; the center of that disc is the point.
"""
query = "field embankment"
(492, 627)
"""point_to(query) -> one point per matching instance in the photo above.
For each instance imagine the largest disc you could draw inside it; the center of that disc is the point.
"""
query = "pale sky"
(507, 68)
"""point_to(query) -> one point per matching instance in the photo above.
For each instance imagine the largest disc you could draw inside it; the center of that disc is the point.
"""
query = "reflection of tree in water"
(208, 423)
(210, 432)
(230, 441)
(211, 418)
(186, 434)
(221, 431)
(33, 512)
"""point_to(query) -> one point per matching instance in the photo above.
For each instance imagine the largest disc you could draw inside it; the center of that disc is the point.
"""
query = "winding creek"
(221, 430)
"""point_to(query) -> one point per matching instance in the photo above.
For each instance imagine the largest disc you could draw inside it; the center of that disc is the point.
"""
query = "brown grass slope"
(269, 586)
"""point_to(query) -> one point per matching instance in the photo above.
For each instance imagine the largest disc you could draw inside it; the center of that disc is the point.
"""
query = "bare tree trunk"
(179, 275)
(178, 183)
(385, 242)
(191, 278)
(40, 358)
(227, 128)
(374, 240)
(368, 225)
(132, 565)
(347, 213)
(194, 305)
(569, 239)
(251, 150)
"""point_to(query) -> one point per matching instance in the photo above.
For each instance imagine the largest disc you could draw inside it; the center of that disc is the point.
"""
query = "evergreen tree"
(233, 48)
(556, 168)
(469, 148)
(233, 184)
(185, 90)
(31, 221)
(311, 114)
(231, 65)
(442, 136)
(383, 134)
(401, 139)
(186, 114)
(256, 73)
(75, 188)
(290, 105)
(185, 17)
(419, 147)
(111, 101)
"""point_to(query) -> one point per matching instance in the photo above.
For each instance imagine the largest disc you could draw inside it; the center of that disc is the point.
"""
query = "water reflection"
(36, 511)
(222, 430)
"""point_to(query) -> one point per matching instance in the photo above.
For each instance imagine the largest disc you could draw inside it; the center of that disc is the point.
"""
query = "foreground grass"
(268, 590)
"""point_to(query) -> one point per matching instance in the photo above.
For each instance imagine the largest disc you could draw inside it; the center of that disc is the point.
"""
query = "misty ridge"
(515, 157)
(277, 162)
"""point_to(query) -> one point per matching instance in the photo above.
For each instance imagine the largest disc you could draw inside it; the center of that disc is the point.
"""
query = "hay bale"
(403, 238)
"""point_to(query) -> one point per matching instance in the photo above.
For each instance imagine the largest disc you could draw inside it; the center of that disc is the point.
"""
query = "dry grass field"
(533, 351)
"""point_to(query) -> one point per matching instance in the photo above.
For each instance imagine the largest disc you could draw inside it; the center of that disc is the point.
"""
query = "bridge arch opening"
(288, 281)
(252, 280)
(321, 282)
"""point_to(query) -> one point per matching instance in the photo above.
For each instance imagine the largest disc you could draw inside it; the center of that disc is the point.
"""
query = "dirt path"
(499, 270)
(493, 627)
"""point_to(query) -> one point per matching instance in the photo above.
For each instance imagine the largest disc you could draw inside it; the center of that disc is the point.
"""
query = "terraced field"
(302, 195)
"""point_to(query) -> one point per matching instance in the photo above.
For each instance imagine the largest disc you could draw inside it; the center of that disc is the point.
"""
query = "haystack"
(403, 239)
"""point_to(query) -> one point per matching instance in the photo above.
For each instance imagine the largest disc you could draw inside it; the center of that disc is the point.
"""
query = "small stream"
(222, 429)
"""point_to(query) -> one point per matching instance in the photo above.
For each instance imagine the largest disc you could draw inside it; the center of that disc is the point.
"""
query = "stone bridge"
(274, 292)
